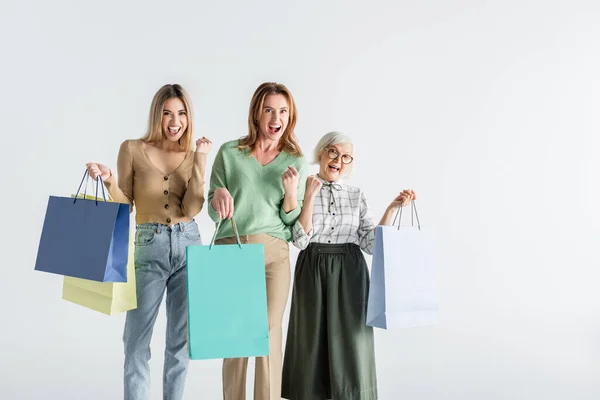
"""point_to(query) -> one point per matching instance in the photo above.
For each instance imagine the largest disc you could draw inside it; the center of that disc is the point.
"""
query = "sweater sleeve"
(193, 199)
(122, 191)
(217, 180)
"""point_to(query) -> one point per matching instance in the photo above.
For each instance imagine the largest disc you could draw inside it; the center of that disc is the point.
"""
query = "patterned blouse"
(340, 215)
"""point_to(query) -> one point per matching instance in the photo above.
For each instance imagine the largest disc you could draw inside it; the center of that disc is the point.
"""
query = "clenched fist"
(289, 179)
(203, 145)
(313, 185)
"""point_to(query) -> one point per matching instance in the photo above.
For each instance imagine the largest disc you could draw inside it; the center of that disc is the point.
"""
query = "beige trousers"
(267, 377)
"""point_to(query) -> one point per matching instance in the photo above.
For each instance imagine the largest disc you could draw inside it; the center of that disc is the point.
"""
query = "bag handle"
(413, 212)
(99, 181)
(233, 226)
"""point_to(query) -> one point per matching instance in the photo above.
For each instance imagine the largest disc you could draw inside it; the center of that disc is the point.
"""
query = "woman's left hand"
(403, 199)
(289, 179)
(203, 145)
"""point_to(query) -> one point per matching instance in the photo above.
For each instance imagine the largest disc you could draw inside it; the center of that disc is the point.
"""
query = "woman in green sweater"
(262, 176)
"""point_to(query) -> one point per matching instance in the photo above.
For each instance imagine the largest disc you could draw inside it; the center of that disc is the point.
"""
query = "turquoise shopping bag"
(227, 300)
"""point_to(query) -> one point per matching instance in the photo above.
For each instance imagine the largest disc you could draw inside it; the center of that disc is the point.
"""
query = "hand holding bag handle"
(98, 182)
(233, 226)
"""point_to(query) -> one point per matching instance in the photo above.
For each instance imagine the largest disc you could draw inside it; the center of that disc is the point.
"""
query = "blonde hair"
(154, 132)
(330, 139)
(288, 141)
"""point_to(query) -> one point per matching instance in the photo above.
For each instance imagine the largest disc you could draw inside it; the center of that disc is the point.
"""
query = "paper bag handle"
(413, 212)
(98, 182)
(233, 226)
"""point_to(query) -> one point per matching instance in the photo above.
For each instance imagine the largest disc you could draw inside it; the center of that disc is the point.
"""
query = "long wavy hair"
(154, 132)
(288, 141)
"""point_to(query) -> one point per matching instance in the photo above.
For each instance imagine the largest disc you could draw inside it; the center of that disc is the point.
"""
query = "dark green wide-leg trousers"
(330, 351)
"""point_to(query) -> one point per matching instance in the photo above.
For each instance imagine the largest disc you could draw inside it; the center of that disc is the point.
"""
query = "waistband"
(327, 248)
(180, 226)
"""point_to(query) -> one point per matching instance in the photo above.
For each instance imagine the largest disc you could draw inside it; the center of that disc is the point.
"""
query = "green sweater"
(257, 191)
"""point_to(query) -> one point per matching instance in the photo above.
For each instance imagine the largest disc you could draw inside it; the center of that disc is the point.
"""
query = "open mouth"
(174, 130)
(274, 128)
(333, 168)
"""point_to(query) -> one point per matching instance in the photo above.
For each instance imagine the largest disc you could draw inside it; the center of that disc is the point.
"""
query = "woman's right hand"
(313, 185)
(95, 170)
(222, 202)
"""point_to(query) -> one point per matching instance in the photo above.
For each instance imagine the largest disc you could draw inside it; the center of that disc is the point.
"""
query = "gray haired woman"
(330, 350)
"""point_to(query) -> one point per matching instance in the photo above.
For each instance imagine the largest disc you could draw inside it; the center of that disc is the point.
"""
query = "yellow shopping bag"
(106, 297)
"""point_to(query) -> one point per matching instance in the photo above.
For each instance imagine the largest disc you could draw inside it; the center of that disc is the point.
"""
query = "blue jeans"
(160, 264)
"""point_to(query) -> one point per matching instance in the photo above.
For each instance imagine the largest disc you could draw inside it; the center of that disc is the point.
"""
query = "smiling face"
(334, 161)
(174, 119)
(274, 117)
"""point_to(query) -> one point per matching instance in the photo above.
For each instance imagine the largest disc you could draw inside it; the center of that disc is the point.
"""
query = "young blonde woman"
(329, 350)
(163, 179)
(261, 176)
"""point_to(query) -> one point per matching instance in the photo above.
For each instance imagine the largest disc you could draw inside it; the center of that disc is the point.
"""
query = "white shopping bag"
(402, 292)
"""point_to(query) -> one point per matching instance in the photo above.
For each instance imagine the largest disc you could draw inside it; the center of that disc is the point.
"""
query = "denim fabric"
(160, 264)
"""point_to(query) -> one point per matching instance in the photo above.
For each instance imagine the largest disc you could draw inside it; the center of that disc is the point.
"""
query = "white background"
(488, 109)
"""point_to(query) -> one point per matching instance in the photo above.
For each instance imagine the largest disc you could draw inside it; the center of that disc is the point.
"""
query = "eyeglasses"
(333, 154)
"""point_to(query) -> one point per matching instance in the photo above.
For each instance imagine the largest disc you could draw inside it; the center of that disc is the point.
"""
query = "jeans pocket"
(144, 237)
(191, 233)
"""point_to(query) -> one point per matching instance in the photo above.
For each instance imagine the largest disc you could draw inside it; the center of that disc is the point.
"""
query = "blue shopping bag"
(403, 290)
(86, 239)
(227, 300)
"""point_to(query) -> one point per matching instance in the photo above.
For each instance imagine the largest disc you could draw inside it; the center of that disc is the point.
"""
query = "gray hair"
(329, 139)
